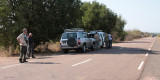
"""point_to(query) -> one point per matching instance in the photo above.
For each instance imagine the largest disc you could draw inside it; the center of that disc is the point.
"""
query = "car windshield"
(69, 35)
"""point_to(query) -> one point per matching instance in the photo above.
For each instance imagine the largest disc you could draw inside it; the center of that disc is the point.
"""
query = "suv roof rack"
(95, 31)
(74, 30)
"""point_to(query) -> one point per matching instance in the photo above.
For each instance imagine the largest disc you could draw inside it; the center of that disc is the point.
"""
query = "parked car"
(76, 39)
(102, 37)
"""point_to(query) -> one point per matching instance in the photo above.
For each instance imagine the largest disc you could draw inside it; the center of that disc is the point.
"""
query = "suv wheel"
(93, 47)
(84, 48)
(107, 44)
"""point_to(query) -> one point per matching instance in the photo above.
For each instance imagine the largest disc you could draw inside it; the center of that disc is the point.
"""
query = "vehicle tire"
(71, 42)
(65, 51)
(107, 44)
(83, 50)
(102, 46)
(93, 47)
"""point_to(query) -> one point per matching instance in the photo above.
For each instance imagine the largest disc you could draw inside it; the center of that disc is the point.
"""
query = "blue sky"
(139, 14)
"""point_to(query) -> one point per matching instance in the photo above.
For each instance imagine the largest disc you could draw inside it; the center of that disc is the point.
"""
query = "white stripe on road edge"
(152, 43)
(140, 66)
(81, 62)
(14, 65)
(146, 54)
(11, 66)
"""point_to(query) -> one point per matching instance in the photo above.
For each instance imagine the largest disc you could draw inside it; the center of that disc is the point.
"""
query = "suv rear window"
(91, 35)
(69, 35)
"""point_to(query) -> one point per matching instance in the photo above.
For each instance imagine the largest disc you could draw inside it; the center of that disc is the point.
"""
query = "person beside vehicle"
(97, 40)
(106, 41)
(27, 54)
(22, 39)
(110, 40)
(31, 46)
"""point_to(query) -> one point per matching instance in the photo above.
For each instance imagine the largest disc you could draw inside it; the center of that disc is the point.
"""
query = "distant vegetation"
(135, 34)
(47, 19)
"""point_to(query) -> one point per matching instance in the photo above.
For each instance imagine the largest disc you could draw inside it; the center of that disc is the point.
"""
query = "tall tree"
(97, 17)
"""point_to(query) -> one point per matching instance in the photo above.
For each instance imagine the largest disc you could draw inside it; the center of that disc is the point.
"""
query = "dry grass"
(46, 49)
(49, 47)
(54, 47)
(133, 34)
(159, 39)
(4, 53)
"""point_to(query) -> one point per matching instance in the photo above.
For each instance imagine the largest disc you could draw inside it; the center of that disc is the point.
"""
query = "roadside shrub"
(133, 34)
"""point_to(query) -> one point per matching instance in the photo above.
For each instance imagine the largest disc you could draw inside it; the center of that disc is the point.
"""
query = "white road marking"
(146, 54)
(81, 62)
(153, 42)
(14, 65)
(140, 66)
(10, 66)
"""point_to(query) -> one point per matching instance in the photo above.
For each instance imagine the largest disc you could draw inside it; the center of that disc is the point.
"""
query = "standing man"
(22, 39)
(31, 46)
(106, 41)
(97, 38)
(110, 40)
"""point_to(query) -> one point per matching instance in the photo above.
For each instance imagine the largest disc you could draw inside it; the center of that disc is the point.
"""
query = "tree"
(97, 17)
(46, 19)
(119, 28)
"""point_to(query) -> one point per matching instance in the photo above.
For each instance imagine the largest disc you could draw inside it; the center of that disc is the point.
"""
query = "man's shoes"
(27, 58)
(33, 57)
(20, 60)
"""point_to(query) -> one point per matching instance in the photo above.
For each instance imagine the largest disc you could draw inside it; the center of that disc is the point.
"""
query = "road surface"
(152, 67)
(129, 60)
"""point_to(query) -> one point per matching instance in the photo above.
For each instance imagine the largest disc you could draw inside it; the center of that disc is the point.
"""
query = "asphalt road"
(152, 67)
(125, 61)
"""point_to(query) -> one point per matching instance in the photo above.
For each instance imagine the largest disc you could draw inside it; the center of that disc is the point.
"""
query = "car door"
(87, 40)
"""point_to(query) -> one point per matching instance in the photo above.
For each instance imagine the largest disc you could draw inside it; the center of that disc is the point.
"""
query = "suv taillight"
(60, 42)
(79, 41)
